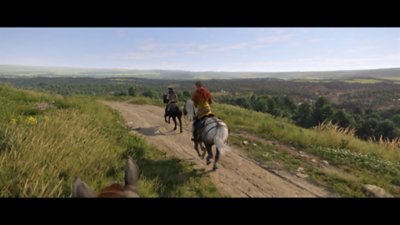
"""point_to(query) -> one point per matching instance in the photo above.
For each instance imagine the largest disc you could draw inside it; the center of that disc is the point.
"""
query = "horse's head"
(184, 111)
(189, 110)
(82, 190)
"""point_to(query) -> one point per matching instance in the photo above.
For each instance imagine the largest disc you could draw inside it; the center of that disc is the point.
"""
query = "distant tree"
(367, 128)
(131, 91)
(385, 129)
(186, 95)
(271, 106)
(289, 104)
(303, 115)
(357, 110)
(261, 104)
(368, 111)
(253, 98)
(341, 118)
(149, 93)
(243, 102)
(396, 119)
(120, 93)
(322, 110)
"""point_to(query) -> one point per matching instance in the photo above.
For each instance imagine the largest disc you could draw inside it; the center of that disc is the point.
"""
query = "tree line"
(367, 123)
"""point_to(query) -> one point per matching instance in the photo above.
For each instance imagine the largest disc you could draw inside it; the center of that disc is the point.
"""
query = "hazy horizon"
(266, 50)
(89, 68)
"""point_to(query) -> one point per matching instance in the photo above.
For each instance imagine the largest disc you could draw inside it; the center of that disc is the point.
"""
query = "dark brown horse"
(174, 112)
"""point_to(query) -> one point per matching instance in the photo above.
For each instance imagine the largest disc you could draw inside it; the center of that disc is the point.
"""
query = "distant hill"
(36, 71)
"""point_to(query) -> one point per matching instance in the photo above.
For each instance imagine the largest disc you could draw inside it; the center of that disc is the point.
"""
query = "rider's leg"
(166, 110)
(194, 128)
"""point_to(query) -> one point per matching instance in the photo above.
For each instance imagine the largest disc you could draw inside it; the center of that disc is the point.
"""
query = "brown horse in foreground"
(82, 190)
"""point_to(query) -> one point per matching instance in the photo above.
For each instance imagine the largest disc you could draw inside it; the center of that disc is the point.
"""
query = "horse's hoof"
(174, 128)
(203, 154)
(208, 162)
(215, 167)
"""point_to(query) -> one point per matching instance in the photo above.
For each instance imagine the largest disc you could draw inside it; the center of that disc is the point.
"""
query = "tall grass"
(366, 162)
(325, 135)
(37, 158)
(43, 151)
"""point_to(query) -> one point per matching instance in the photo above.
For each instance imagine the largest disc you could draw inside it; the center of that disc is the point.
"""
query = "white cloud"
(147, 55)
(138, 55)
(166, 65)
(362, 49)
(315, 40)
(31, 61)
(196, 49)
(148, 45)
(120, 33)
(270, 39)
(319, 63)
(232, 47)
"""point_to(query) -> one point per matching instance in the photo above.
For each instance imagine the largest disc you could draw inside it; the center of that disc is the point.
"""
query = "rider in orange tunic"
(202, 101)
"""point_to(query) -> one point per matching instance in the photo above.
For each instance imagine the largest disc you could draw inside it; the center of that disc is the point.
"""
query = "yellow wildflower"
(31, 120)
(13, 121)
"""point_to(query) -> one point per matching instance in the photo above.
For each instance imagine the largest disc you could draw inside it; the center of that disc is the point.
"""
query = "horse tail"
(219, 139)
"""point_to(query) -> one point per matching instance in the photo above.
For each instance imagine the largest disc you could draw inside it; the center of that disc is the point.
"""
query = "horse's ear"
(82, 190)
(131, 172)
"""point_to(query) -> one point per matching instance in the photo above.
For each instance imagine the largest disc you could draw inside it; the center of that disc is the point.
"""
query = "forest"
(372, 109)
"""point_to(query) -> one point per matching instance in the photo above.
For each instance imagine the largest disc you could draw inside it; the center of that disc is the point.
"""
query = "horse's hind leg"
(174, 122)
(196, 147)
(216, 159)
(180, 122)
(209, 154)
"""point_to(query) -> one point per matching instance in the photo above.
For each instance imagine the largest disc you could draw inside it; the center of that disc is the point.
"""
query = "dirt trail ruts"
(237, 176)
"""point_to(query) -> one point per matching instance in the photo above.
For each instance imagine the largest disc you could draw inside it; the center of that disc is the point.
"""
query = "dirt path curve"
(237, 176)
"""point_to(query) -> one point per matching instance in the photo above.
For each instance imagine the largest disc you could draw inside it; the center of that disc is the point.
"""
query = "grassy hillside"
(353, 162)
(326, 154)
(46, 141)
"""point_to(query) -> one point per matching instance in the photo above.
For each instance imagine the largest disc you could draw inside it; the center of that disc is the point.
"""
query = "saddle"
(199, 126)
(200, 123)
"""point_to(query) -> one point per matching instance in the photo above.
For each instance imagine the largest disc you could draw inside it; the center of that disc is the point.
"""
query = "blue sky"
(203, 49)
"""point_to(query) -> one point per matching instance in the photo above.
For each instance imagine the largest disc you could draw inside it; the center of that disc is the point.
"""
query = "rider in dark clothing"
(171, 98)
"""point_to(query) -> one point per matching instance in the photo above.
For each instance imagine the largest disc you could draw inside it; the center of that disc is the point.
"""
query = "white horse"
(215, 131)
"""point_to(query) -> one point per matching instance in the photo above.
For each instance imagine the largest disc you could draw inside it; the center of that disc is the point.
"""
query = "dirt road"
(237, 176)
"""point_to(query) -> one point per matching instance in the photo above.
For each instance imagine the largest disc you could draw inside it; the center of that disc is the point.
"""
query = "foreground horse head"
(82, 190)
(215, 132)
